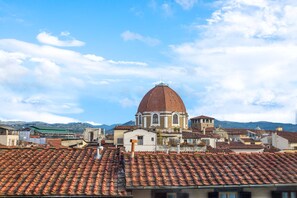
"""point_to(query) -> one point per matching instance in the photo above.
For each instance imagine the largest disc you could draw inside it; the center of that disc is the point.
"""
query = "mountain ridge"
(80, 126)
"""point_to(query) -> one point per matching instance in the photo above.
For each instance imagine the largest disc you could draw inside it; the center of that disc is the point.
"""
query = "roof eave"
(209, 187)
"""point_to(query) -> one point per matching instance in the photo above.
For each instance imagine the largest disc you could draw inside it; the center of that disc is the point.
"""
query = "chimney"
(203, 130)
(178, 148)
(99, 149)
(132, 148)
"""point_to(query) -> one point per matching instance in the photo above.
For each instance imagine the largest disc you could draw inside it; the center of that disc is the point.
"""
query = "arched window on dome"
(175, 119)
(155, 119)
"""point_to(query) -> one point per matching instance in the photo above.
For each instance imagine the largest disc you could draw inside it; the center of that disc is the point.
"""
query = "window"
(228, 195)
(140, 140)
(120, 140)
(139, 119)
(153, 139)
(284, 194)
(231, 194)
(175, 119)
(155, 118)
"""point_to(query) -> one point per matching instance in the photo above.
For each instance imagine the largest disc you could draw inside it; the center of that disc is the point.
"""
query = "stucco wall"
(118, 134)
(149, 140)
(279, 142)
(203, 193)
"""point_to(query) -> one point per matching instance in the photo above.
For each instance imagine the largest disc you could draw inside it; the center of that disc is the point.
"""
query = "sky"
(92, 61)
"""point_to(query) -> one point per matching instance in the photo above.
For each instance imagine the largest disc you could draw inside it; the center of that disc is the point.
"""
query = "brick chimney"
(133, 142)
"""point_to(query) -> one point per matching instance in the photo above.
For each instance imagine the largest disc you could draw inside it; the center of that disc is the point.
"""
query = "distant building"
(118, 134)
(202, 123)
(48, 132)
(93, 134)
(284, 140)
(8, 136)
(146, 140)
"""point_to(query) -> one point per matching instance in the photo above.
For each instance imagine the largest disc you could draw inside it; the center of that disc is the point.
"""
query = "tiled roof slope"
(60, 172)
(290, 136)
(198, 170)
(161, 98)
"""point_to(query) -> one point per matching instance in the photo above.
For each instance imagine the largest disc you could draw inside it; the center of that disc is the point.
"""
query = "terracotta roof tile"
(161, 98)
(201, 117)
(290, 136)
(237, 145)
(123, 127)
(160, 170)
(56, 172)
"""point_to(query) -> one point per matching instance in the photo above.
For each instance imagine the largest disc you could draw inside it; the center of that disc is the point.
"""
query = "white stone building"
(146, 140)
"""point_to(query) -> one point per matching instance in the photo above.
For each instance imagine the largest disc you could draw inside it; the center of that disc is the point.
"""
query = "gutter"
(210, 187)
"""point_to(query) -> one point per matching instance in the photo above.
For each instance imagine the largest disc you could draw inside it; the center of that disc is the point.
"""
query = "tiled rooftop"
(237, 145)
(123, 127)
(160, 170)
(59, 172)
(290, 136)
(198, 135)
(201, 117)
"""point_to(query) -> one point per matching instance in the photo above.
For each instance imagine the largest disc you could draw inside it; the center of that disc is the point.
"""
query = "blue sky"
(93, 61)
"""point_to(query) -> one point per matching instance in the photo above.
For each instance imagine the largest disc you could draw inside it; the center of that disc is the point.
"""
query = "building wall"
(293, 145)
(247, 150)
(264, 192)
(266, 140)
(118, 134)
(149, 140)
(163, 124)
(9, 140)
(96, 134)
(279, 142)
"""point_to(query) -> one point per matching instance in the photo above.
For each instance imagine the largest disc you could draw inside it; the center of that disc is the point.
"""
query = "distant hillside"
(79, 127)
(253, 125)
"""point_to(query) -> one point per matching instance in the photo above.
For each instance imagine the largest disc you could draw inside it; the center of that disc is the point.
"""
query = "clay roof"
(290, 136)
(201, 117)
(123, 127)
(235, 131)
(194, 170)
(161, 98)
(237, 145)
(218, 150)
(196, 135)
(60, 172)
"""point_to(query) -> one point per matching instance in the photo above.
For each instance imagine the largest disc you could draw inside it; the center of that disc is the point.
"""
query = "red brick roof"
(201, 117)
(122, 127)
(193, 170)
(60, 172)
(290, 136)
(197, 135)
(161, 98)
(237, 145)
(234, 131)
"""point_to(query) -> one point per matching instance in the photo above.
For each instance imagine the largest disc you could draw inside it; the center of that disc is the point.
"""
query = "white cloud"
(186, 4)
(48, 39)
(131, 36)
(47, 83)
(167, 9)
(245, 56)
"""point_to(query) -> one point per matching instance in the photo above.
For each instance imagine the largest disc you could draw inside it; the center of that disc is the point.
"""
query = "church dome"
(161, 98)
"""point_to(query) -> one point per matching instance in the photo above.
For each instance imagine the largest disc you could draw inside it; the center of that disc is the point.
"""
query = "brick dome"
(161, 98)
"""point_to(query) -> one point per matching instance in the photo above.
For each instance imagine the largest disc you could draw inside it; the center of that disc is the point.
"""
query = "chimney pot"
(133, 142)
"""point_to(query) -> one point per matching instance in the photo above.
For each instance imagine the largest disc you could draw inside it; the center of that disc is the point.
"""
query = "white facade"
(256, 192)
(279, 142)
(92, 134)
(8, 136)
(146, 141)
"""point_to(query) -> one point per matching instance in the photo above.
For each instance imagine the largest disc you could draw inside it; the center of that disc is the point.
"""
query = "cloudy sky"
(93, 61)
